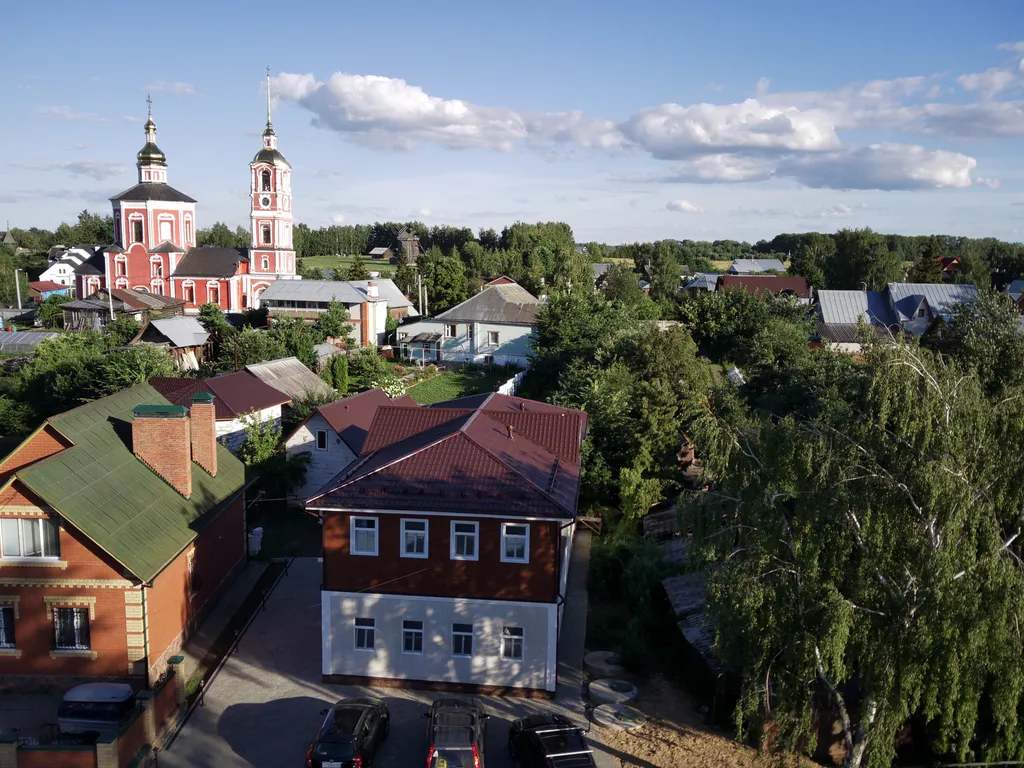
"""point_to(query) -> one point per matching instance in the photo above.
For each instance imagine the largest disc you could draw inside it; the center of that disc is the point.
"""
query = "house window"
(464, 537)
(188, 293)
(265, 181)
(462, 639)
(6, 626)
(412, 637)
(156, 269)
(922, 312)
(364, 536)
(266, 234)
(213, 293)
(120, 268)
(321, 439)
(512, 643)
(166, 230)
(450, 331)
(24, 537)
(365, 631)
(492, 338)
(137, 231)
(414, 538)
(515, 543)
(71, 629)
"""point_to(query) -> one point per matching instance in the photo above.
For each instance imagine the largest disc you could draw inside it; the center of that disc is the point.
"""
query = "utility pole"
(17, 288)
(419, 289)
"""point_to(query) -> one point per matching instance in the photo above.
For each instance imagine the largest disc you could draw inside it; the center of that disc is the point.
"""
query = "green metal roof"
(117, 501)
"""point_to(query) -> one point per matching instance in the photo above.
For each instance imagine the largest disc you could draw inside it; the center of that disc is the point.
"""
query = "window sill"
(74, 654)
(516, 562)
(11, 652)
(366, 650)
(362, 554)
(423, 556)
(464, 557)
(33, 562)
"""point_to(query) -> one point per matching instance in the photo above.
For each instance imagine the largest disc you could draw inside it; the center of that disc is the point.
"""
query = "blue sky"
(630, 121)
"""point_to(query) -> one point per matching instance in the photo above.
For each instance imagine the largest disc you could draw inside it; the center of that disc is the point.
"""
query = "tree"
(8, 289)
(871, 553)
(985, 336)
(808, 261)
(447, 284)
(334, 324)
(221, 235)
(339, 373)
(928, 268)
(213, 320)
(573, 271)
(50, 313)
(122, 368)
(720, 322)
(298, 338)
(247, 347)
(120, 331)
(405, 275)
(358, 271)
(622, 287)
(862, 257)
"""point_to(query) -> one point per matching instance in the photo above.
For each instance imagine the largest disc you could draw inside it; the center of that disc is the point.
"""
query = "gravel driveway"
(264, 706)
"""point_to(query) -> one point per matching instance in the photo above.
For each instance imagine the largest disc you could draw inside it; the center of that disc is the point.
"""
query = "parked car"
(352, 731)
(549, 741)
(456, 729)
(95, 708)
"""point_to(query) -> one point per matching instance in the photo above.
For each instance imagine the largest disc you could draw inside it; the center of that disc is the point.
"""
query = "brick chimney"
(161, 440)
(204, 431)
(372, 290)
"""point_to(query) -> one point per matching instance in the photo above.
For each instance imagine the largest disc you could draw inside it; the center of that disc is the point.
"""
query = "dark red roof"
(47, 285)
(760, 284)
(467, 460)
(236, 393)
(351, 417)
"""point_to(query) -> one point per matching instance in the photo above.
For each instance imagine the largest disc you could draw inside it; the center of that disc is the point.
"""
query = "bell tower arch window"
(265, 181)
(265, 264)
(136, 230)
(265, 232)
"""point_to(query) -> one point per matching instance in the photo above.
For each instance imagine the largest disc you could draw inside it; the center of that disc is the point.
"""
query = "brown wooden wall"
(439, 576)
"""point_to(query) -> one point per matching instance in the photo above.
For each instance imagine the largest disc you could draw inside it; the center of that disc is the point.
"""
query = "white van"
(97, 708)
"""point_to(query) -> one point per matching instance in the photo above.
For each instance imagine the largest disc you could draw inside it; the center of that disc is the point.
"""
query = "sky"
(630, 121)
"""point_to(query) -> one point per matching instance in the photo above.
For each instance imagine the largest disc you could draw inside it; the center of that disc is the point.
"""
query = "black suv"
(352, 731)
(549, 741)
(455, 733)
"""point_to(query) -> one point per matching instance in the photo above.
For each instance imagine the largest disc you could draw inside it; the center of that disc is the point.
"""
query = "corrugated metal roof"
(290, 376)
(23, 341)
(182, 331)
(237, 393)
(941, 297)
(510, 304)
(313, 290)
(351, 417)
(754, 266)
(704, 281)
(849, 307)
(117, 501)
(388, 291)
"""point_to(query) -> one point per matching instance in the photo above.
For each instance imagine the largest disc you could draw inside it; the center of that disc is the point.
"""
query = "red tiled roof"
(759, 284)
(47, 285)
(467, 460)
(351, 417)
(236, 393)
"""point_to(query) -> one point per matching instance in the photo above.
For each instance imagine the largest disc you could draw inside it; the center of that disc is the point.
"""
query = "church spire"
(269, 125)
(152, 162)
(269, 137)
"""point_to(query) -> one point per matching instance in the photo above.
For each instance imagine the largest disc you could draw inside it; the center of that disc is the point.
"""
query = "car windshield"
(563, 741)
(334, 750)
(452, 758)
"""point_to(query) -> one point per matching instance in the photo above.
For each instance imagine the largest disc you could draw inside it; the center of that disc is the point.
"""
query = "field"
(344, 262)
(452, 384)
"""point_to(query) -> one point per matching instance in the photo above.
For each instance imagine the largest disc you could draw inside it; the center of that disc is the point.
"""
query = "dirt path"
(676, 737)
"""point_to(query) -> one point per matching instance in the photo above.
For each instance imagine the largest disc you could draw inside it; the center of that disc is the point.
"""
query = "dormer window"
(922, 311)
(266, 234)
(265, 181)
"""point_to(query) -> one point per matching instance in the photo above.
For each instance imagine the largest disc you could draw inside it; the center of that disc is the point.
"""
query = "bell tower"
(271, 253)
(152, 162)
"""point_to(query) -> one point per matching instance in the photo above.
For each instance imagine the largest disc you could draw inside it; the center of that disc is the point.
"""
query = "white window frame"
(506, 537)
(476, 540)
(316, 439)
(368, 629)
(451, 330)
(493, 338)
(426, 538)
(411, 632)
(511, 638)
(352, 536)
(21, 557)
(463, 634)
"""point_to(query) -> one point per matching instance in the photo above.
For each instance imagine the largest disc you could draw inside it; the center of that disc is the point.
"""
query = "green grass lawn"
(344, 262)
(452, 384)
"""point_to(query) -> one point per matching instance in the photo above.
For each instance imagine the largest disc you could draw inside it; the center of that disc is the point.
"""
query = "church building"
(155, 226)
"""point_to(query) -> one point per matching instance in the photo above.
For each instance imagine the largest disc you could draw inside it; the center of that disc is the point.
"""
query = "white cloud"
(887, 166)
(1017, 47)
(713, 86)
(991, 183)
(81, 145)
(988, 83)
(338, 218)
(132, 119)
(67, 113)
(835, 212)
(988, 119)
(683, 206)
(92, 169)
(177, 89)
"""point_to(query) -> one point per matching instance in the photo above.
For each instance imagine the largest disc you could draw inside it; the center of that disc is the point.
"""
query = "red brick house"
(446, 546)
(760, 285)
(121, 521)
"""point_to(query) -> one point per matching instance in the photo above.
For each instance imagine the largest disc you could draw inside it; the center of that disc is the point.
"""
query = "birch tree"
(872, 553)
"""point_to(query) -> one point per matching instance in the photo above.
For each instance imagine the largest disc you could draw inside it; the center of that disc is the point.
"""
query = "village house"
(40, 290)
(494, 326)
(368, 303)
(290, 376)
(64, 262)
(382, 253)
(446, 546)
(756, 266)
(333, 436)
(96, 310)
(185, 339)
(911, 308)
(121, 522)
(240, 396)
(766, 285)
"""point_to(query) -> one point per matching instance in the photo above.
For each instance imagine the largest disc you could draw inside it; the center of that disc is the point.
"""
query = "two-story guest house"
(446, 545)
(121, 521)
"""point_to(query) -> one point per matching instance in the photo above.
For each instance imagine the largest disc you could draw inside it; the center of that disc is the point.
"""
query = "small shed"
(187, 340)
(290, 376)
(23, 342)
(382, 253)
(40, 290)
